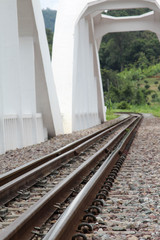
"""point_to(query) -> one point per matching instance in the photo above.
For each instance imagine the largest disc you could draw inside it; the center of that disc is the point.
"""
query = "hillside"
(153, 86)
(49, 18)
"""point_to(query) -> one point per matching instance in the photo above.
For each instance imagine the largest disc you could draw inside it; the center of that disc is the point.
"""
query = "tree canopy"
(119, 50)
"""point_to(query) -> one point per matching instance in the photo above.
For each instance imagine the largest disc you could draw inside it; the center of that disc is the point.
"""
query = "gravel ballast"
(15, 158)
(132, 209)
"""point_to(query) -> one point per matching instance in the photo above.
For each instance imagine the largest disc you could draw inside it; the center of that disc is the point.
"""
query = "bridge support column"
(76, 68)
(28, 100)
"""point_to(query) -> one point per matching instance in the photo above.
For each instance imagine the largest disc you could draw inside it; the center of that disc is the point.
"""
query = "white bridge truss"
(34, 103)
(80, 26)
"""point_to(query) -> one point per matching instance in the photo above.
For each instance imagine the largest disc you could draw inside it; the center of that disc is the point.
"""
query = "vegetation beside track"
(154, 110)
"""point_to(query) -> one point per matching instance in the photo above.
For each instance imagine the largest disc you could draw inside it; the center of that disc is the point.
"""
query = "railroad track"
(54, 197)
(26, 175)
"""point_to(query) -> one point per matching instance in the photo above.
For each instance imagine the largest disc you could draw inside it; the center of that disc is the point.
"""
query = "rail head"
(74, 213)
(48, 202)
(6, 177)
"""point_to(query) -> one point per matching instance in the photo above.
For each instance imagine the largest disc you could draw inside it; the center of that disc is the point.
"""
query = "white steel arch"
(29, 108)
(80, 26)
(28, 95)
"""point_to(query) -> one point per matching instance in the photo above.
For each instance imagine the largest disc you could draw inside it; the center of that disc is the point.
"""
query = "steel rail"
(45, 207)
(68, 149)
(10, 189)
(66, 226)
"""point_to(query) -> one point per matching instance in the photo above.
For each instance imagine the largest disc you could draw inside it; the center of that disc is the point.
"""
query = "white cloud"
(52, 4)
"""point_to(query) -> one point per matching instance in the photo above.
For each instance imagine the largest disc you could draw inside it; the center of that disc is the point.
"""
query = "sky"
(52, 4)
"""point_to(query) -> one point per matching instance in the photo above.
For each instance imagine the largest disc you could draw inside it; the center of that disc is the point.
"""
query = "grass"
(153, 109)
(110, 115)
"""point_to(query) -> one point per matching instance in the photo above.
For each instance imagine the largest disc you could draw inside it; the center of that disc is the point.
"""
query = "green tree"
(128, 12)
(147, 86)
(139, 97)
(111, 76)
(120, 50)
(50, 39)
(142, 61)
(127, 93)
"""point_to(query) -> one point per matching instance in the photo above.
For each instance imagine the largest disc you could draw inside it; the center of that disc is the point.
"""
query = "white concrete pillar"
(10, 103)
(74, 62)
(27, 91)
(9, 57)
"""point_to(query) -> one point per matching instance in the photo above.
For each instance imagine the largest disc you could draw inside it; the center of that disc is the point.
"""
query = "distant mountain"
(49, 18)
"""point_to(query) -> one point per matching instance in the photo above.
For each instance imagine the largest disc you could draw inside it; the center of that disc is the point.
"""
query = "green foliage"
(154, 96)
(129, 89)
(113, 51)
(159, 87)
(134, 73)
(109, 77)
(140, 97)
(123, 105)
(115, 94)
(156, 82)
(110, 115)
(147, 92)
(49, 20)
(121, 50)
(153, 109)
(127, 12)
(147, 86)
(127, 93)
(50, 39)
